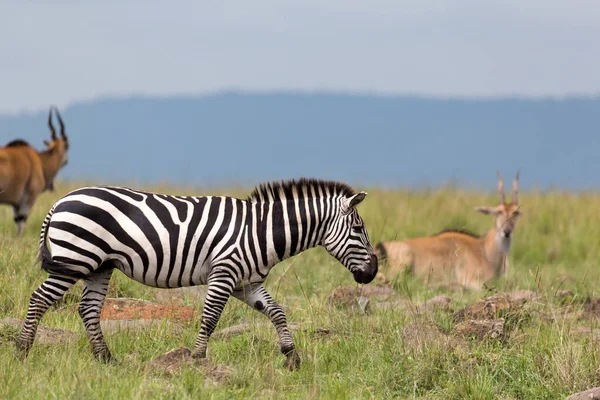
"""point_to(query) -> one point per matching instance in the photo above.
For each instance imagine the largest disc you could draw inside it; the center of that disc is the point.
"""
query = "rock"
(181, 357)
(481, 329)
(360, 297)
(132, 309)
(44, 335)
(363, 303)
(591, 394)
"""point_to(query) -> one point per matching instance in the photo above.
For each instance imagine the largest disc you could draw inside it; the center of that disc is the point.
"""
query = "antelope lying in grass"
(25, 172)
(457, 257)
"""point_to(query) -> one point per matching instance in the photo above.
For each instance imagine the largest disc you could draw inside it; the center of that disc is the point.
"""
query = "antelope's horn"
(52, 130)
(62, 126)
(515, 193)
(500, 187)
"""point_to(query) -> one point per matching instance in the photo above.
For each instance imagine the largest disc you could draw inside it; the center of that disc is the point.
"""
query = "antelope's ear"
(487, 210)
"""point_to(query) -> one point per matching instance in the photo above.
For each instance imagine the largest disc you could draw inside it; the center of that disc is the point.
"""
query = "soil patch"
(239, 329)
(194, 294)
(135, 309)
(563, 294)
(443, 303)
(423, 335)
(181, 357)
(591, 308)
(481, 329)
(10, 329)
(109, 326)
(494, 307)
(587, 331)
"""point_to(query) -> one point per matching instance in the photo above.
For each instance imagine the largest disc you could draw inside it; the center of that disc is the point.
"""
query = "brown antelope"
(457, 257)
(25, 172)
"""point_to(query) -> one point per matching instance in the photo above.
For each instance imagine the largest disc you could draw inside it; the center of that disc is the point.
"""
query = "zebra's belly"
(165, 277)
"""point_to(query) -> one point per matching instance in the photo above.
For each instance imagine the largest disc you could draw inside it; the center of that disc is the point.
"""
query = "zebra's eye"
(357, 229)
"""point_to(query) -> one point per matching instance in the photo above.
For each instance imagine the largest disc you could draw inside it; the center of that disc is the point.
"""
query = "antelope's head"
(506, 214)
(57, 147)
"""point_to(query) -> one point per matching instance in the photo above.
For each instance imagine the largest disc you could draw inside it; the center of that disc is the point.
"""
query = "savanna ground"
(549, 349)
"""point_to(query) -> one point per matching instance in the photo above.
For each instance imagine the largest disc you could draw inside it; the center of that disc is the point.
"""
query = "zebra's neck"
(283, 229)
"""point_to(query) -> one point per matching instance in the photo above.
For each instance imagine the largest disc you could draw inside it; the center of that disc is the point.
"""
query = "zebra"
(166, 241)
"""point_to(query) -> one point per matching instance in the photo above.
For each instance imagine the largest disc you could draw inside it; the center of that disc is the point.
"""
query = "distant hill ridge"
(246, 138)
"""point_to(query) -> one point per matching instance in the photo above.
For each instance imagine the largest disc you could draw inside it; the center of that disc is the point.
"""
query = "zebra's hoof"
(21, 350)
(106, 358)
(292, 362)
(21, 354)
(198, 355)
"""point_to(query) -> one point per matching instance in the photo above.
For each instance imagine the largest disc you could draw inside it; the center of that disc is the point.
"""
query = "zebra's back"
(159, 240)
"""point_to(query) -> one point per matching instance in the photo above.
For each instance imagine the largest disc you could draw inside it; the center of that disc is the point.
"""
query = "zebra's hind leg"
(42, 298)
(220, 287)
(90, 307)
(259, 299)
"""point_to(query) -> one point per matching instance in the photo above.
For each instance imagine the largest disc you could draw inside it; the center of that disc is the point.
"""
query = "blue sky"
(64, 51)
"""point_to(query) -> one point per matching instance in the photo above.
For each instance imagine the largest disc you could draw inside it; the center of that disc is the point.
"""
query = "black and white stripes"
(174, 241)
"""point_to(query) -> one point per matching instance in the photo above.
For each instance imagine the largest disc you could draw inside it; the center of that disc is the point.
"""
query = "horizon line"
(24, 111)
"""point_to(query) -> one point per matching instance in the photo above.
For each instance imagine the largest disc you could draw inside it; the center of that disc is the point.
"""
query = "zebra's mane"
(264, 190)
(16, 143)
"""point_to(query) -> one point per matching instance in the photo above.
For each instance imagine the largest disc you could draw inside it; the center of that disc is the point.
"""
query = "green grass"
(556, 246)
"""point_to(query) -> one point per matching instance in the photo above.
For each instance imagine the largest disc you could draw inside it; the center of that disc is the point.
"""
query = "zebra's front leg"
(90, 307)
(259, 299)
(220, 287)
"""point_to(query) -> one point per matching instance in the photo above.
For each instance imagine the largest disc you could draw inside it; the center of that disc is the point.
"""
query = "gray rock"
(591, 394)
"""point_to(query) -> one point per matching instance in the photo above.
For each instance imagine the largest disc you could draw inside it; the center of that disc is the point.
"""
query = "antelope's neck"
(496, 248)
(50, 165)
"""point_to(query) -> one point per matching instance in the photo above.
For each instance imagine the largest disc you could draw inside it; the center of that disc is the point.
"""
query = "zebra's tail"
(44, 256)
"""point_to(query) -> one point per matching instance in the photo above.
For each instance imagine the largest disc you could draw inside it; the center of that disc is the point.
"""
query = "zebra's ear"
(353, 201)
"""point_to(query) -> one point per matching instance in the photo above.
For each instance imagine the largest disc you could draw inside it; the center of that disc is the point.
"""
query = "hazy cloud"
(63, 51)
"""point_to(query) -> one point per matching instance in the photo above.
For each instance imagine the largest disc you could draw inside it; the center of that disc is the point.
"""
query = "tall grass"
(556, 246)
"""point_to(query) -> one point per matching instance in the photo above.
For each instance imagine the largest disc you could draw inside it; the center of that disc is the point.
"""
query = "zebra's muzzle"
(367, 274)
